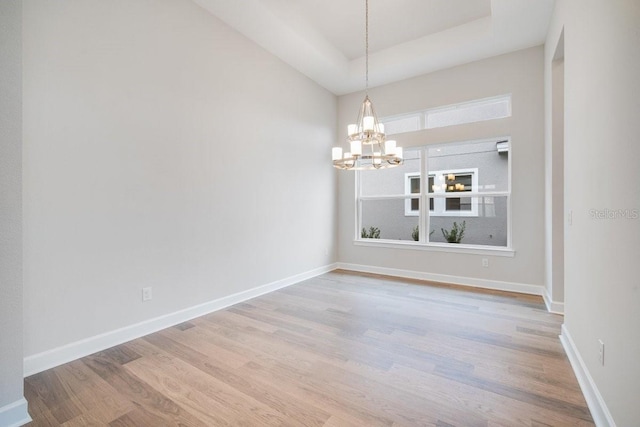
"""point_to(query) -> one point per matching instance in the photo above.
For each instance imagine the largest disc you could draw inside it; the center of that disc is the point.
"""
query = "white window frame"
(423, 243)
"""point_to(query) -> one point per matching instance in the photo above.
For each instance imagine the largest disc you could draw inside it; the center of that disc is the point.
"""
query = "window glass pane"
(430, 187)
(408, 123)
(465, 112)
(388, 216)
(415, 185)
(489, 227)
(471, 166)
(387, 182)
(469, 112)
(464, 204)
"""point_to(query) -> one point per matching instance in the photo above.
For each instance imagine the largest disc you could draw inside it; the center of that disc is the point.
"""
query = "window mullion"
(424, 200)
(358, 204)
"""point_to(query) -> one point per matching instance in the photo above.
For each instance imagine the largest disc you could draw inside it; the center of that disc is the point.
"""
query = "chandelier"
(368, 147)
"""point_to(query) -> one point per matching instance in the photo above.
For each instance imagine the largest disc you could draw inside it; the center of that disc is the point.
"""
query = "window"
(450, 181)
(467, 183)
(412, 186)
(385, 199)
(467, 112)
(404, 123)
(456, 182)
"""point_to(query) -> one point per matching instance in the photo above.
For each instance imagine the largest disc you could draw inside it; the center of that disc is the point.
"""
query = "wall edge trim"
(445, 278)
(75, 350)
(15, 414)
(599, 410)
(552, 306)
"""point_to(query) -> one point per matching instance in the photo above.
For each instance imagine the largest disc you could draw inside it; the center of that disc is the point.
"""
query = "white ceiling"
(324, 39)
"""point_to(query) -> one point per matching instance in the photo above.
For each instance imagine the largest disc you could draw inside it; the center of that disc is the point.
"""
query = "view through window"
(467, 191)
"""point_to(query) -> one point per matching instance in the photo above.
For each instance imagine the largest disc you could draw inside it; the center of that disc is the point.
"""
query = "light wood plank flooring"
(342, 349)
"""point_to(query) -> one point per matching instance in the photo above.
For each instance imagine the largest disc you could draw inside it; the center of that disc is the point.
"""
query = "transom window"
(466, 112)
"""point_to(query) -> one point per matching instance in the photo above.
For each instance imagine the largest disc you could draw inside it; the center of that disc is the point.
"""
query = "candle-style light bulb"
(356, 148)
(390, 147)
(368, 123)
(376, 158)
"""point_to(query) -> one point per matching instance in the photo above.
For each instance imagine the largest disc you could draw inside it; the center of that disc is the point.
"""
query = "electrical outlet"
(146, 294)
(485, 262)
(601, 352)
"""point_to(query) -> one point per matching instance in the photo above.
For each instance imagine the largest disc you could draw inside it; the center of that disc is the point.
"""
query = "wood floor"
(342, 349)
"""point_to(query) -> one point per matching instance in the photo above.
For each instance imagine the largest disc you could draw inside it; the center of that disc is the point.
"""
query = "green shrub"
(456, 233)
(415, 234)
(373, 233)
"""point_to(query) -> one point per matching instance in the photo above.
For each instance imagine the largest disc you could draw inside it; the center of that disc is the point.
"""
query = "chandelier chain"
(366, 44)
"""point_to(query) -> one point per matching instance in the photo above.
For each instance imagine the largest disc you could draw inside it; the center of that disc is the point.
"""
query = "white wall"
(13, 407)
(554, 178)
(519, 73)
(602, 154)
(162, 149)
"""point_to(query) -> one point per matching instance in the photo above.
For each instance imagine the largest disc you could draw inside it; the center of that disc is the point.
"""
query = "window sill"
(437, 247)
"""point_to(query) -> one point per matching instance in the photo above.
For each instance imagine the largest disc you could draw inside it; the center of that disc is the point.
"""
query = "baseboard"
(552, 306)
(599, 411)
(15, 414)
(58, 356)
(444, 278)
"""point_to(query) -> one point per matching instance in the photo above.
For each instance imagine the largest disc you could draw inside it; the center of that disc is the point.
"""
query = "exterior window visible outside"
(412, 186)
(455, 182)
(466, 182)
(451, 181)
